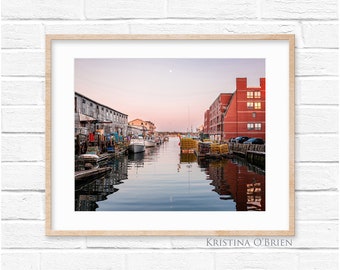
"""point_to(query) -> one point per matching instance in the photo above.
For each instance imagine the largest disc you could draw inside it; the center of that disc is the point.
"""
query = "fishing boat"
(92, 158)
(137, 145)
(158, 140)
(150, 142)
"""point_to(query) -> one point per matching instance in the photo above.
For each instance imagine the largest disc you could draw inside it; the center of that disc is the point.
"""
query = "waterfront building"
(91, 116)
(241, 113)
(206, 125)
(147, 126)
(246, 112)
(216, 110)
(135, 131)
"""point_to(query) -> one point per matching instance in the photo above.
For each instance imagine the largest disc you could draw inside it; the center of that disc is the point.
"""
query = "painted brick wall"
(24, 24)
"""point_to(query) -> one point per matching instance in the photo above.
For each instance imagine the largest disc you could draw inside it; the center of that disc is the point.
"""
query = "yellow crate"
(188, 143)
(224, 148)
(214, 148)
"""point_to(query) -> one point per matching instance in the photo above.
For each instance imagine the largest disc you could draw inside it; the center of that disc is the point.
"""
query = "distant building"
(216, 110)
(147, 126)
(241, 113)
(91, 116)
(200, 128)
(135, 130)
(206, 125)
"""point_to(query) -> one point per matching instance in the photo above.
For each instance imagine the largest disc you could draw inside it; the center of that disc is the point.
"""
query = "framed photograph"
(170, 135)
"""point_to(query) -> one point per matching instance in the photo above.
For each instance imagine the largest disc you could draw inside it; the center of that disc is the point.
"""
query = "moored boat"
(137, 145)
(150, 142)
(92, 158)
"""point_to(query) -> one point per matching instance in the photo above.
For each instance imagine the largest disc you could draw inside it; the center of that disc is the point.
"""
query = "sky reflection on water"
(163, 180)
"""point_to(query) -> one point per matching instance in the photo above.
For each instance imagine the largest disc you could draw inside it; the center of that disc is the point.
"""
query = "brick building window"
(250, 94)
(257, 126)
(250, 126)
(257, 105)
(250, 105)
(257, 94)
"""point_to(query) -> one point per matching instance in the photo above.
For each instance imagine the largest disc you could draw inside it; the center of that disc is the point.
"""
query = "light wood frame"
(48, 225)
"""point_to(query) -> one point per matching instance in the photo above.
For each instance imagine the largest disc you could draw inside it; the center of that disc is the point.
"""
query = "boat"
(150, 142)
(92, 158)
(137, 145)
(158, 141)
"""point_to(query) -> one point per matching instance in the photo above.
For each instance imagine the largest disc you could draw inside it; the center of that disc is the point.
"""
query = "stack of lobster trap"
(209, 149)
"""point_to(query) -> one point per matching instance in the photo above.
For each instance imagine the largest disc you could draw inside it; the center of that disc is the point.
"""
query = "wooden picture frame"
(62, 220)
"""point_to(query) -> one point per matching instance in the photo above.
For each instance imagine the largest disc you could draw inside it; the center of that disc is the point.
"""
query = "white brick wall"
(24, 24)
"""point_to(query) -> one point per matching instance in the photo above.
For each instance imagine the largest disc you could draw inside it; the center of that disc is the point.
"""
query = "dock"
(212, 150)
(91, 174)
(253, 153)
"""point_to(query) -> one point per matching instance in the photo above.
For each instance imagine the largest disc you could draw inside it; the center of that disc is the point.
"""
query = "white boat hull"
(150, 143)
(137, 146)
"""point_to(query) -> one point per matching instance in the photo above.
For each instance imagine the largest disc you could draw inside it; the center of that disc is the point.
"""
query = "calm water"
(162, 179)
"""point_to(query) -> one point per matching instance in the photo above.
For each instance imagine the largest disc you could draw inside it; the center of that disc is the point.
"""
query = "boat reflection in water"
(162, 179)
(87, 194)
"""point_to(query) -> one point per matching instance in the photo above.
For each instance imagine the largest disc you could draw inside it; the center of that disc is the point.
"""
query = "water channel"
(162, 179)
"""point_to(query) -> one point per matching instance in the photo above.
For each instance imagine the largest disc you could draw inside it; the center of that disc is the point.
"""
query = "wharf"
(253, 153)
(91, 174)
(106, 156)
(213, 155)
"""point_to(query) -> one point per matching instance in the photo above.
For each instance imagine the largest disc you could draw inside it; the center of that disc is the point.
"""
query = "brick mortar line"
(23, 106)
(315, 133)
(23, 191)
(26, 162)
(171, 18)
(23, 133)
(317, 162)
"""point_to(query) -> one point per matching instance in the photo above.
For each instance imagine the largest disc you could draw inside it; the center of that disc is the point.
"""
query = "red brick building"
(242, 113)
(206, 125)
(216, 112)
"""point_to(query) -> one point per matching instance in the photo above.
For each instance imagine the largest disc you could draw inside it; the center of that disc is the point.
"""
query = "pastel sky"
(171, 93)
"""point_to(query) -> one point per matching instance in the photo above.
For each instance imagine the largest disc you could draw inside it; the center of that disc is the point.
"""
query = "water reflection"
(87, 194)
(161, 179)
(238, 181)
